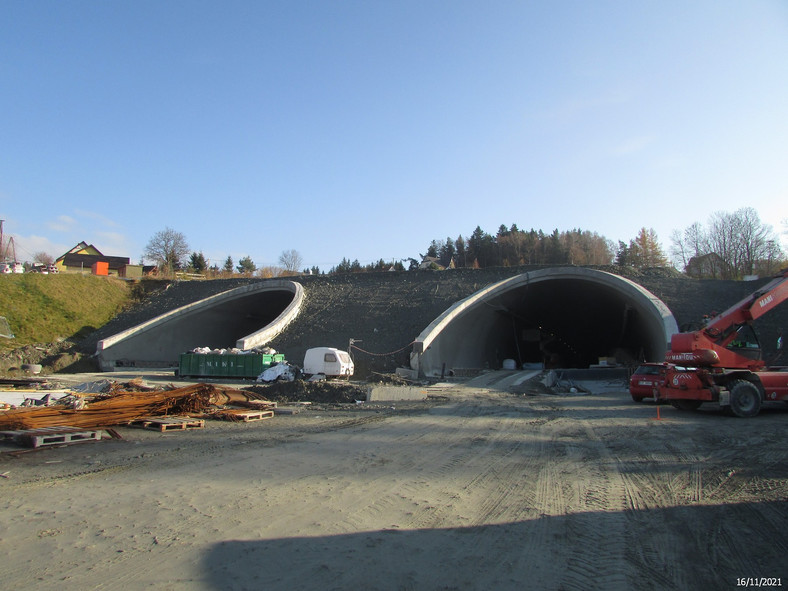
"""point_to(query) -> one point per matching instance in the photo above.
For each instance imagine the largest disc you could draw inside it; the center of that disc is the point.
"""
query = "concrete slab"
(393, 393)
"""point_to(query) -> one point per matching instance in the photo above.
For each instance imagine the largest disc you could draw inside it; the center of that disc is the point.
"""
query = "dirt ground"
(476, 488)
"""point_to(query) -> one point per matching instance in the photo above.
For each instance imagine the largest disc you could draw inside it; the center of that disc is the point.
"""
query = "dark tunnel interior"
(224, 323)
(566, 323)
(218, 326)
(561, 323)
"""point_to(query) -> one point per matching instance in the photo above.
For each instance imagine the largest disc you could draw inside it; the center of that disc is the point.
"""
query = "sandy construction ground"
(481, 490)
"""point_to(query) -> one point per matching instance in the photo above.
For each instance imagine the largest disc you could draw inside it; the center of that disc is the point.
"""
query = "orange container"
(100, 268)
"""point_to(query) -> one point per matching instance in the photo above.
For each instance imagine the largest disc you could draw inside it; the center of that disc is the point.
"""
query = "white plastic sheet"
(279, 371)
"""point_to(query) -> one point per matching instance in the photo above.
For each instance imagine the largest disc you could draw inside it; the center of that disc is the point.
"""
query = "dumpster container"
(214, 365)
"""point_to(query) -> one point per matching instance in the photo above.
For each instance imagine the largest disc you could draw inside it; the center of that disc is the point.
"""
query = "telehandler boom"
(722, 361)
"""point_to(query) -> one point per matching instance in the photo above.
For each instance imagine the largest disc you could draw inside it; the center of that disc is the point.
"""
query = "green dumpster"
(213, 365)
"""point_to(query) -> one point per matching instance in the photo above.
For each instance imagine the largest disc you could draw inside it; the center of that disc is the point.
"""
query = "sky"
(366, 129)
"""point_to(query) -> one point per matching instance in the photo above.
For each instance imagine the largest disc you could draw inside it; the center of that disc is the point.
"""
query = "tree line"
(512, 247)
(170, 251)
(731, 246)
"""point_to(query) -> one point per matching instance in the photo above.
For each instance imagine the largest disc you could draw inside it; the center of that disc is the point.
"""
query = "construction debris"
(111, 386)
(281, 371)
(234, 351)
(121, 407)
(23, 382)
(88, 411)
(328, 392)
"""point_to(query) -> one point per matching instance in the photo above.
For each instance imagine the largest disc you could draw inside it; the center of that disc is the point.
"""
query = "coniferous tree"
(645, 250)
(446, 253)
(246, 266)
(622, 255)
(461, 252)
(198, 263)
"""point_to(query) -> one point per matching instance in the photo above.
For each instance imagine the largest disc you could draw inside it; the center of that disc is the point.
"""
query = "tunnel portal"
(243, 318)
(552, 318)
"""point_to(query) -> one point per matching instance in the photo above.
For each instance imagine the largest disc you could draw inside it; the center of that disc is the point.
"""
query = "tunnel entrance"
(552, 318)
(243, 318)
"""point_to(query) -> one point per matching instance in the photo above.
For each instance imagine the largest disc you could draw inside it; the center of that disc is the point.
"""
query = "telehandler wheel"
(686, 404)
(745, 398)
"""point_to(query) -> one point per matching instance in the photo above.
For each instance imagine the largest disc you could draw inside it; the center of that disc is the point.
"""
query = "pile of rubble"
(326, 392)
(233, 351)
(61, 356)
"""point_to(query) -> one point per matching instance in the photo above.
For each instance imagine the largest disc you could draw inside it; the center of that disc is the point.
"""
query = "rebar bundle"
(120, 408)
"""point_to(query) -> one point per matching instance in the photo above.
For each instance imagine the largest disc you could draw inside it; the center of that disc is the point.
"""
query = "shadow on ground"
(691, 547)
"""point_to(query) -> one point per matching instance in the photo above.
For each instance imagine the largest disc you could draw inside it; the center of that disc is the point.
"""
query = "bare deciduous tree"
(687, 244)
(290, 260)
(732, 245)
(44, 258)
(167, 248)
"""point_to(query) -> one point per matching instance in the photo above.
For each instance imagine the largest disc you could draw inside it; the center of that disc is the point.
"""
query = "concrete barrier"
(394, 393)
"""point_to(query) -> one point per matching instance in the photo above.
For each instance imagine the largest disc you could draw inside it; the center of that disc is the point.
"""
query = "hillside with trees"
(731, 246)
(512, 247)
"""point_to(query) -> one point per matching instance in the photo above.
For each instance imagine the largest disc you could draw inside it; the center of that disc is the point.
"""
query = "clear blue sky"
(366, 129)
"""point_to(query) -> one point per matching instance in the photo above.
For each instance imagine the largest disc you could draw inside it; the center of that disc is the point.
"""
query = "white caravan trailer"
(328, 361)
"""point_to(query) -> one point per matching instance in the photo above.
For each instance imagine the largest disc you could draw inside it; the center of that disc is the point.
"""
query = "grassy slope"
(45, 308)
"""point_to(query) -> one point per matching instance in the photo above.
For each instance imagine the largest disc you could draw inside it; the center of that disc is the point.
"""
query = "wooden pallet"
(257, 404)
(237, 414)
(53, 436)
(168, 423)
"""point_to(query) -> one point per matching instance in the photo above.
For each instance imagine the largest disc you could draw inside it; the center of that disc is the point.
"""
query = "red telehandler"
(722, 362)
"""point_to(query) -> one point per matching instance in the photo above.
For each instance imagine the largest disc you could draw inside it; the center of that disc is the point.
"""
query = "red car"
(645, 380)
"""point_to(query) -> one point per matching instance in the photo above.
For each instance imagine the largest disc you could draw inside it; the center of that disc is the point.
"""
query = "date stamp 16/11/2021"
(759, 582)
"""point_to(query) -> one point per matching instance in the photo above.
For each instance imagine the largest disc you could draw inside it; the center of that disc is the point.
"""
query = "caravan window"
(329, 357)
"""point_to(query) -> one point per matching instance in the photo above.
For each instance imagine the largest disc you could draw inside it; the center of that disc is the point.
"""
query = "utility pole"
(2, 243)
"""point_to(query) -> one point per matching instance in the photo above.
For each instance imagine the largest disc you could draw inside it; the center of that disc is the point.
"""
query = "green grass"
(46, 308)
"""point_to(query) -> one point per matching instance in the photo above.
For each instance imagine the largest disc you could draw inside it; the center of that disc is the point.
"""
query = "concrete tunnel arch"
(553, 318)
(244, 318)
